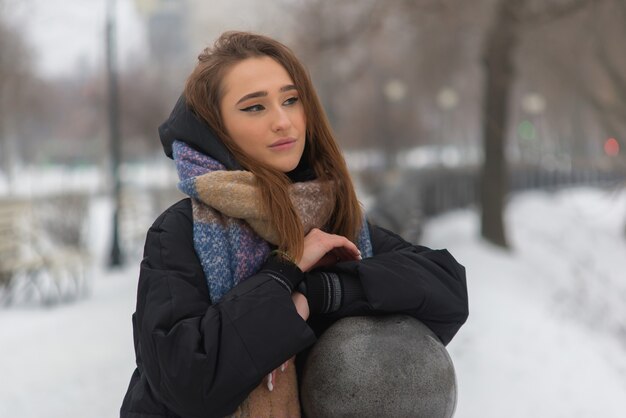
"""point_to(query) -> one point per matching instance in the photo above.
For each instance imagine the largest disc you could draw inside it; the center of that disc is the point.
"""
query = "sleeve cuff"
(324, 292)
(284, 272)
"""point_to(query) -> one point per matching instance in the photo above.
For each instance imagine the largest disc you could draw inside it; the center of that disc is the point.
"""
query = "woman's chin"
(284, 166)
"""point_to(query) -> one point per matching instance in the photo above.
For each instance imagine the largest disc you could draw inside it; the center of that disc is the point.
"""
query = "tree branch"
(553, 10)
(369, 21)
(615, 74)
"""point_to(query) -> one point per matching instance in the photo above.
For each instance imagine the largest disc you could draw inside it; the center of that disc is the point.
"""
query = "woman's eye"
(291, 101)
(253, 108)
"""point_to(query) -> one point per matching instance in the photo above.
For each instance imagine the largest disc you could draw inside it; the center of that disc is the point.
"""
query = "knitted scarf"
(233, 237)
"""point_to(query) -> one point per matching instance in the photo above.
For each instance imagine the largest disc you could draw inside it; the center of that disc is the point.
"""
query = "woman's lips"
(283, 144)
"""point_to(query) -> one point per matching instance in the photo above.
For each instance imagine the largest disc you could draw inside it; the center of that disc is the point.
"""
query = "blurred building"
(167, 32)
(178, 30)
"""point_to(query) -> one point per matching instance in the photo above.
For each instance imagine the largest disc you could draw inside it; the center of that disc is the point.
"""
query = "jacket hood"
(184, 125)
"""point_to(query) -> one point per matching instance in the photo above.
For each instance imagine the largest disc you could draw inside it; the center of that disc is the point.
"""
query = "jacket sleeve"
(203, 359)
(427, 284)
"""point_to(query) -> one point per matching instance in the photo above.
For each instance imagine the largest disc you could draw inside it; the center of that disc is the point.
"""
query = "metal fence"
(415, 195)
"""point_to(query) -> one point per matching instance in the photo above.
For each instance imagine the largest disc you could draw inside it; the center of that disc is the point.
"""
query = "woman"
(270, 249)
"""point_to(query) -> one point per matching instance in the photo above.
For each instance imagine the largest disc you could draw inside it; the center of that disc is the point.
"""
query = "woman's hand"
(322, 249)
(271, 378)
(302, 304)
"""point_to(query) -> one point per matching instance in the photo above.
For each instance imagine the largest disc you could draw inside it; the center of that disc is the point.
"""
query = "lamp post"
(532, 149)
(116, 258)
(533, 104)
(447, 99)
(395, 91)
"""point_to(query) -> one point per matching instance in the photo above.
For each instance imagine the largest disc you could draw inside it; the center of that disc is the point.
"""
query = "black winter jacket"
(196, 359)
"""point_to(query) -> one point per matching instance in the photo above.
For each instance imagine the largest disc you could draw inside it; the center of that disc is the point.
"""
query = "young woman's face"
(262, 113)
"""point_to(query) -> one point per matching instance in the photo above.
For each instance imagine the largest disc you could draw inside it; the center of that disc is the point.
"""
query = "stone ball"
(384, 366)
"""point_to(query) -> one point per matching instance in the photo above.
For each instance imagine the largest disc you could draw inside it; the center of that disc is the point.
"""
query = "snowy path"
(525, 352)
(69, 361)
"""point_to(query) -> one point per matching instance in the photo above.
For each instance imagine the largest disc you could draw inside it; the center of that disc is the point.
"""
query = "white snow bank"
(543, 336)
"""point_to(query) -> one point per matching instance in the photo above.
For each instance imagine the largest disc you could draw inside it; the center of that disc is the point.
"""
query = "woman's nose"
(280, 120)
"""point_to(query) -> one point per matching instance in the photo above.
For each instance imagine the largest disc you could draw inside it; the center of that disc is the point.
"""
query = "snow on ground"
(72, 360)
(69, 361)
(542, 339)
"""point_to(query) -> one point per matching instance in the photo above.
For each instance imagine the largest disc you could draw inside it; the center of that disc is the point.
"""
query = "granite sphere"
(383, 366)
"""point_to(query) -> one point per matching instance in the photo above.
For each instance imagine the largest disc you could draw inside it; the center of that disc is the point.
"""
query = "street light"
(447, 99)
(533, 103)
(394, 91)
(116, 258)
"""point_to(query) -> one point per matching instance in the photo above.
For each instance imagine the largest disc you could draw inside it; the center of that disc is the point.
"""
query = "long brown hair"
(204, 91)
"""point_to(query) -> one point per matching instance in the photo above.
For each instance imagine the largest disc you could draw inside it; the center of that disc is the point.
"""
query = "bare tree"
(14, 75)
(379, 65)
(501, 41)
(143, 108)
(510, 19)
(428, 45)
(608, 98)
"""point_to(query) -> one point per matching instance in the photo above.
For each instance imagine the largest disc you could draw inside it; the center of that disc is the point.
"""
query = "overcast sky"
(67, 34)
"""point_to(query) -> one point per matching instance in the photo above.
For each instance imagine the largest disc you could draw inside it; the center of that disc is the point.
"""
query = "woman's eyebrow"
(256, 94)
(252, 96)
(287, 88)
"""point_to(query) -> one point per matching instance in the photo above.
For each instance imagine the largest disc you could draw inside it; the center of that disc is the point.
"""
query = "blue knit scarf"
(232, 237)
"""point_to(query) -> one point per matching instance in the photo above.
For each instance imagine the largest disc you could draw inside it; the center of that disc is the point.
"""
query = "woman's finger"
(271, 377)
(270, 381)
(319, 244)
(345, 254)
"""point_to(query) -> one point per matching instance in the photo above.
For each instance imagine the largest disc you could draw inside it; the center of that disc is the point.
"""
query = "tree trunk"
(498, 54)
